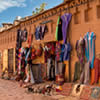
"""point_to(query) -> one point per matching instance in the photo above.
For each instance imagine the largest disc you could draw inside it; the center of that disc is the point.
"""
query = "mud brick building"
(85, 17)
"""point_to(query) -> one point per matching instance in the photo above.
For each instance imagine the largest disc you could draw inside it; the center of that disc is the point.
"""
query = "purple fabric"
(65, 22)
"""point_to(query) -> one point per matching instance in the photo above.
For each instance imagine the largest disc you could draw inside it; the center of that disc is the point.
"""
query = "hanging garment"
(44, 29)
(65, 22)
(24, 35)
(18, 42)
(48, 67)
(67, 50)
(77, 71)
(39, 73)
(59, 68)
(90, 47)
(56, 67)
(39, 51)
(31, 74)
(28, 53)
(58, 34)
(80, 49)
(85, 74)
(97, 69)
(49, 50)
(62, 52)
(58, 51)
(52, 72)
(27, 73)
(29, 41)
(66, 70)
(37, 33)
(33, 53)
(19, 61)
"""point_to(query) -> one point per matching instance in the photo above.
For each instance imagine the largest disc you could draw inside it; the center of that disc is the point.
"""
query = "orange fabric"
(66, 70)
(92, 76)
(99, 81)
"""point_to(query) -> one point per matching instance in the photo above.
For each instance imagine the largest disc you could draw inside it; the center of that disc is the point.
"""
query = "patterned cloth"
(58, 51)
(90, 47)
(85, 95)
(95, 93)
(66, 89)
(80, 49)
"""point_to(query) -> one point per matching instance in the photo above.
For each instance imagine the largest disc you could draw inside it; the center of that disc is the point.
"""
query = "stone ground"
(11, 90)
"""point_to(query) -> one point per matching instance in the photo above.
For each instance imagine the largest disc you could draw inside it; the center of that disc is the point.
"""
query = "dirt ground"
(11, 90)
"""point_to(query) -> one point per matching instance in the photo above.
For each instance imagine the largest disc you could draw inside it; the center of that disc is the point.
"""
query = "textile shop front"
(50, 60)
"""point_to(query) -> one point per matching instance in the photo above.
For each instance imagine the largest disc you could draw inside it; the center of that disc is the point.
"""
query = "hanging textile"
(24, 35)
(58, 51)
(90, 47)
(19, 42)
(65, 22)
(58, 35)
(97, 69)
(30, 37)
(37, 33)
(80, 49)
(77, 71)
(44, 29)
(67, 50)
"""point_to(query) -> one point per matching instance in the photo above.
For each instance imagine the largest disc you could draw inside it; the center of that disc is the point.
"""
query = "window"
(77, 18)
(98, 11)
(88, 15)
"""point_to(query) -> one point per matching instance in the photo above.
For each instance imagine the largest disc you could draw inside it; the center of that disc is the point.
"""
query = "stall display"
(85, 48)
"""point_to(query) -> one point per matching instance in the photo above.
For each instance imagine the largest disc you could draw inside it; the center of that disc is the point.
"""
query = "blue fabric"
(62, 52)
(88, 50)
(92, 62)
(67, 50)
(28, 53)
(37, 33)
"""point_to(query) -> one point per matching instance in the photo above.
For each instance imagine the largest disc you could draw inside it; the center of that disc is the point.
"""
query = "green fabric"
(77, 72)
(56, 35)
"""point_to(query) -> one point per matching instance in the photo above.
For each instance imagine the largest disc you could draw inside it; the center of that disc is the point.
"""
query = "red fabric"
(39, 51)
(33, 56)
(29, 40)
(85, 95)
(97, 69)
(66, 89)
